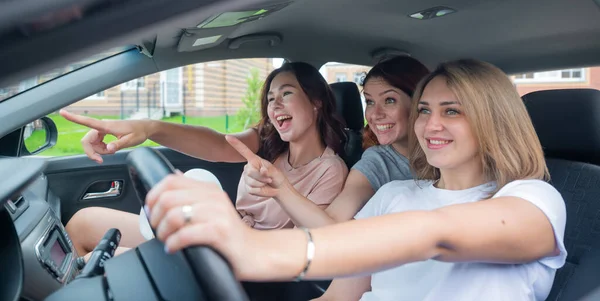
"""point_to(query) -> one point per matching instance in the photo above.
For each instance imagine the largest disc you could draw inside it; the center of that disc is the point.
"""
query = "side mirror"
(38, 136)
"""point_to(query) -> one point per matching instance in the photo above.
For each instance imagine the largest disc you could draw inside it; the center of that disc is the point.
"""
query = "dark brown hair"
(402, 72)
(319, 93)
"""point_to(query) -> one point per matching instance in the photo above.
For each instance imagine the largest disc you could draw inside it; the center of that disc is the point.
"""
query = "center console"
(48, 256)
(54, 250)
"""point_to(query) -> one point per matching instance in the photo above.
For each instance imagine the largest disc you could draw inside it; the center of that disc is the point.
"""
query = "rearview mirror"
(38, 136)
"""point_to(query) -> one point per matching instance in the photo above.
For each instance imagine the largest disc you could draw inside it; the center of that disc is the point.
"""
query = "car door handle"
(114, 191)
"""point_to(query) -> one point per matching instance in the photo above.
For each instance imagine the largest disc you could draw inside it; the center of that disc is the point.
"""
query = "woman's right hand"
(128, 132)
(213, 221)
(261, 177)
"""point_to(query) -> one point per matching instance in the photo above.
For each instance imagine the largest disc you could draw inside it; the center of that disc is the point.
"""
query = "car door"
(221, 95)
(76, 182)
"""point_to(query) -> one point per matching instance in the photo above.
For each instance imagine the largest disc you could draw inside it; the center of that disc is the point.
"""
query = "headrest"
(349, 104)
(567, 123)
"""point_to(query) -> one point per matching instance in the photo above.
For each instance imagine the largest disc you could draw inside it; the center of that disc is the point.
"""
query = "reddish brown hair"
(402, 72)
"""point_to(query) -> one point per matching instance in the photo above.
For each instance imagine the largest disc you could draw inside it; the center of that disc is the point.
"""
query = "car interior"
(39, 195)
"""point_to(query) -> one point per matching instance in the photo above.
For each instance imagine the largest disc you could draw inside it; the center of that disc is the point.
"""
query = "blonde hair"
(509, 147)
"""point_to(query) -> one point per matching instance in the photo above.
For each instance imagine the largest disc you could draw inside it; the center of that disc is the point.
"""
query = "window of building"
(340, 77)
(138, 83)
(358, 77)
(335, 72)
(574, 78)
(98, 96)
(566, 75)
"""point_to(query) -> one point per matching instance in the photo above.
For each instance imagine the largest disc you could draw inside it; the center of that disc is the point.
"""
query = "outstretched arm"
(265, 180)
(504, 229)
(196, 141)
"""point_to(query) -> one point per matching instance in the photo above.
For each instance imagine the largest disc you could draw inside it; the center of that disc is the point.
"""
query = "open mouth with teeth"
(284, 120)
(437, 143)
(384, 127)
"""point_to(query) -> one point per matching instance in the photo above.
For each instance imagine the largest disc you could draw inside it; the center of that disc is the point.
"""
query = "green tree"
(249, 115)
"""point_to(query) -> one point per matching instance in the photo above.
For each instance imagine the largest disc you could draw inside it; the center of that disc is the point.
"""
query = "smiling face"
(387, 112)
(442, 129)
(290, 110)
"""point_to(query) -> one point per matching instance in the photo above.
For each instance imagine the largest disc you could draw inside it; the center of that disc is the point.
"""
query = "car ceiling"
(516, 35)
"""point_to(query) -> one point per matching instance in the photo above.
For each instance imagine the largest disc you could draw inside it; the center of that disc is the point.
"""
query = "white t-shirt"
(432, 280)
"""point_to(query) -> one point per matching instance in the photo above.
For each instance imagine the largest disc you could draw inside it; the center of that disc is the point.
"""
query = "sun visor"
(217, 28)
(198, 39)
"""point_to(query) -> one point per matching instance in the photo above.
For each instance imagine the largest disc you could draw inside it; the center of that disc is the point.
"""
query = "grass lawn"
(70, 134)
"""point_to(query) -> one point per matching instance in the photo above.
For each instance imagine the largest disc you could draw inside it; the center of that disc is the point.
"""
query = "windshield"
(10, 91)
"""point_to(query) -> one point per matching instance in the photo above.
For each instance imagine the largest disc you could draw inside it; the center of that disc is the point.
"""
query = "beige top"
(321, 180)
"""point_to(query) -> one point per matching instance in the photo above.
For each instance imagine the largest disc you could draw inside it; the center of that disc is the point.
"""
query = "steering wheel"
(213, 273)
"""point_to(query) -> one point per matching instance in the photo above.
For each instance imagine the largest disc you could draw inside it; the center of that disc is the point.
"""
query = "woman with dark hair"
(479, 222)
(402, 73)
(298, 133)
(388, 88)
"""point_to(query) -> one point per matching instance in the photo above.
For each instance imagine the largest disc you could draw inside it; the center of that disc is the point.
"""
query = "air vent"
(19, 202)
(16, 206)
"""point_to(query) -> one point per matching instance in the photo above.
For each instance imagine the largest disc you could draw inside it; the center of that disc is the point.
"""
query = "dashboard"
(41, 263)
(48, 259)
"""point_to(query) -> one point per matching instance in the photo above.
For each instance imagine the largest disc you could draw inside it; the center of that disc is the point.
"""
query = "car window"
(572, 78)
(222, 95)
(10, 91)
(335, 72)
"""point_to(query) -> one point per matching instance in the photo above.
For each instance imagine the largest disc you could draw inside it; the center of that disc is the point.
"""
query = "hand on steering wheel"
(193, 216)
(186, 212)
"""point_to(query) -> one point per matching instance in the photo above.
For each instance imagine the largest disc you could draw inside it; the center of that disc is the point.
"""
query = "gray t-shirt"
(382, 164)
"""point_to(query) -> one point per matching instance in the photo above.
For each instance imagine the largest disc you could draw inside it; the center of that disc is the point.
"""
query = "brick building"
(578, 78)
(203, 89)
(339, 72)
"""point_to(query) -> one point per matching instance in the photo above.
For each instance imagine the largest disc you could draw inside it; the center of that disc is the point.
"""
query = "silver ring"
(187, 214)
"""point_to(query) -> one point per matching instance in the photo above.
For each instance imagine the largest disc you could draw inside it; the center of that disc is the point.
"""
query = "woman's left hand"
(210, 219)
(260, 176)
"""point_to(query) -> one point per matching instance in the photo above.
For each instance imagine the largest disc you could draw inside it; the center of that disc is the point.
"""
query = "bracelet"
(310, 253)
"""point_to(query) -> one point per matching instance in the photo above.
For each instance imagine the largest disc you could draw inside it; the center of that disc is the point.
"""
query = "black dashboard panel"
(37, 256)
(11, 260)
(16, 174)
